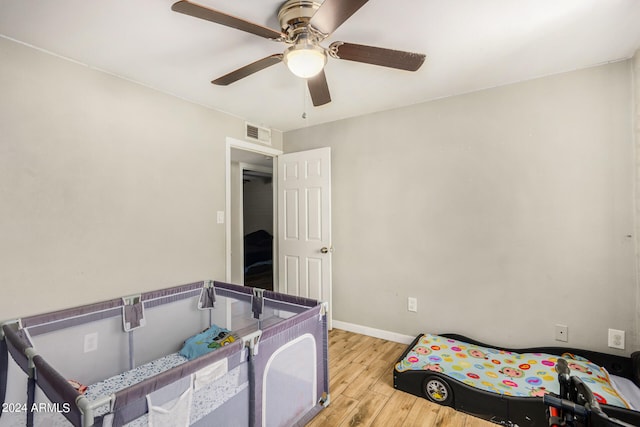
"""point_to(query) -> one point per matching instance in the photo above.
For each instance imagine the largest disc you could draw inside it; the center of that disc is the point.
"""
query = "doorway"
(301, 191)
(251, 225)
(257, 208)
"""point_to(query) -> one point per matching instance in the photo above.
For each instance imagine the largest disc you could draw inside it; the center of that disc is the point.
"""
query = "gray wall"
(503, 212)
(512, 203)
(107, 188)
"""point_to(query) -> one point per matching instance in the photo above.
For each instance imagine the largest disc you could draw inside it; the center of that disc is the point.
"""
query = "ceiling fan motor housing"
(294, 16)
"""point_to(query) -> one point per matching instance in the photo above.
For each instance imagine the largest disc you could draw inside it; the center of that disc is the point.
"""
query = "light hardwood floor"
(362, 393)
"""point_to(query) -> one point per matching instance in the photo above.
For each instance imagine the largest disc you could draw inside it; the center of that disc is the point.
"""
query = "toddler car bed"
(507, 385)
(206, 353)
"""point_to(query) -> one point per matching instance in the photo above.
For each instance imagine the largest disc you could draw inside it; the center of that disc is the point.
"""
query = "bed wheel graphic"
(438, 391)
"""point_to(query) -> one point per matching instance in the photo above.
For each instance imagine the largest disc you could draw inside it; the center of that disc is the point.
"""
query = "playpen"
(206, 353)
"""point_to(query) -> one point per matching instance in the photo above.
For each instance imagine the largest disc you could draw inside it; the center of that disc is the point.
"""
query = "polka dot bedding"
(204, 401)
(505, 372)
(129, 378)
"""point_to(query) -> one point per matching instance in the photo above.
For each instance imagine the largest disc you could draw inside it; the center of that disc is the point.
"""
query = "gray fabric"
(286, 324)
(167, 293)
(273, 338)
(56, 325)
(131, 402)
(257, 303)
(57, 389)
(306, 418)
(155, 302)
(234, 288)
(291, 299)
(207, 298)
(267, 294)
(132, 359)
(4, 372)
(55, 316)
(17, 342)
(31, 397)
(232, 413)
(48, 322)
(133, 315)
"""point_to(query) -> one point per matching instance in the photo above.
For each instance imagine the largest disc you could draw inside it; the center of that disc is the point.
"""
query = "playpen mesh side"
(290, 370)
(172, 316)
(286, 325)
(131, 403)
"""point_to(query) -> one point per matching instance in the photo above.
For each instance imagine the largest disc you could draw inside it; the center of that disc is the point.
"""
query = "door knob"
(326, 250)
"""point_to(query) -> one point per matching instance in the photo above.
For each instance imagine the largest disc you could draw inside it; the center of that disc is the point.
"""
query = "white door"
(304, 224)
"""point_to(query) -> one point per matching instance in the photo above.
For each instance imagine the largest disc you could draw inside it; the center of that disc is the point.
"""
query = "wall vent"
(257, 133)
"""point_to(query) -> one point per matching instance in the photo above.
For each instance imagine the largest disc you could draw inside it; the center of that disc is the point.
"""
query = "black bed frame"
(511, 410)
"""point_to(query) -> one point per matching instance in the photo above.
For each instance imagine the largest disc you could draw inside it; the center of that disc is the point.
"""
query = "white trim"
(373, 332)
(247, 146)
(250, 146)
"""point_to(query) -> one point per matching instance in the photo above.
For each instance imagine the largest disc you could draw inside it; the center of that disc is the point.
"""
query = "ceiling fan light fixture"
(305, 60)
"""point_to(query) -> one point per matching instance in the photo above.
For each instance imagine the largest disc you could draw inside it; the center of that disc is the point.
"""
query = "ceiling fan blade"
(333, 13)
(408, 61)
(222, 18)
(247, 70)
(319, 89)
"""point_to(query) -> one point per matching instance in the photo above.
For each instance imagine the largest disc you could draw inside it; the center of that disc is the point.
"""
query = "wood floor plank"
(343, 378)
(340, 360)
(450, 417)
(393, 351)
(396, 410)
(384, 384)
(366, 379)
(423, 413)
(476, 422)
(335, 413)
(366, 411)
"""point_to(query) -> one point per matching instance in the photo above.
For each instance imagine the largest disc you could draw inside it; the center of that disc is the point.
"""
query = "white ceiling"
(470, 45)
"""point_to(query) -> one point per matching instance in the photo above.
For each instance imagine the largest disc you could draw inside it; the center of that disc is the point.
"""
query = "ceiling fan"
(304, 25)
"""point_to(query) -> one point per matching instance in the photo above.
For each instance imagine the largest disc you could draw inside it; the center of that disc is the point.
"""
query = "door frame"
(259, 149)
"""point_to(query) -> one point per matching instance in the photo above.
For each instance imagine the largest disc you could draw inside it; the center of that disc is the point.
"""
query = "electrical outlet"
(562, 333)
(616, 339)
(220, 217)
(412, 304)
(91, 342)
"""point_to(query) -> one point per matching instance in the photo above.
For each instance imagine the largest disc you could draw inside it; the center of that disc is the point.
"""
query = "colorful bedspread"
(505, 372)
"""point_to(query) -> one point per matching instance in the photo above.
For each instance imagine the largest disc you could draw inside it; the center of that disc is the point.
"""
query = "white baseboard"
(373, 332)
